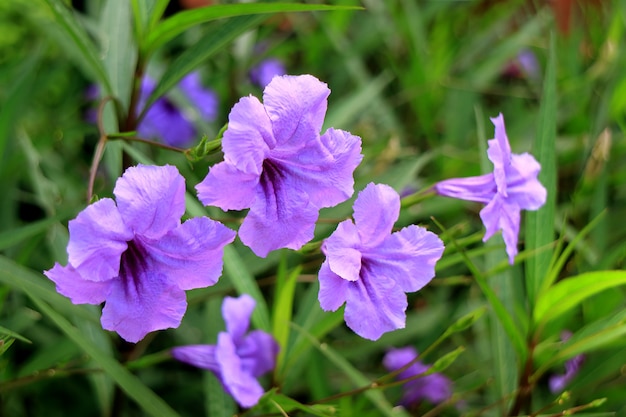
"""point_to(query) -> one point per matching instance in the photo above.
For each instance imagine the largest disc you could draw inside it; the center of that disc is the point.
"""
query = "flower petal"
(296, 106)
(499, 214)
(244, 388)
(98, 238)
(227, 188)
(258, 353)
(248, 137)
(523, 186)
(151, 199)
(408, 257)
(333, 289)
(499, 152)
(323, 168)
(281, 216)
(141, 304)
(203, 99)
(376, 209)
(167, 123)
(200, 356)
(341, 251)
(375, 305)
(81, 291)
(191, 255)
(236, 313)
(480, 189)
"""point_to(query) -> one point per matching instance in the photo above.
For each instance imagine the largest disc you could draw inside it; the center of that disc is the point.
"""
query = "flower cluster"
(134, 254)
(434, 387)
(237, 359)
(513, 186)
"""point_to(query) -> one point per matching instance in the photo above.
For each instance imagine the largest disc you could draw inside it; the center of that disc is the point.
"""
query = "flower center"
(133, 266)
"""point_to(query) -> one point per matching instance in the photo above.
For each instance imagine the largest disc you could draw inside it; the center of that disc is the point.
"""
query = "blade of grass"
(540, 223)
(180, 22)
(134, 388)
(84, 51)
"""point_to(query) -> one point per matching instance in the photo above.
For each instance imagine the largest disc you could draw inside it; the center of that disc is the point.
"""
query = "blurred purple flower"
(434, 387)
(370, 269)
(165, 121)
(513, 186)
(267, 69)
(237, 360)
(277, 164)
(136, 255)
(528, 63)
(558, 382)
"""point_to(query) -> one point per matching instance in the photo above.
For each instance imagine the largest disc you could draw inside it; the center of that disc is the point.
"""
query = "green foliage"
(417, 80)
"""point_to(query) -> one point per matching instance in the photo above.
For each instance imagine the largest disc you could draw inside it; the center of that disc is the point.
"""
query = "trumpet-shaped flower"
(237, 359)
(511, 187)
(136, 256)
(277, 164)
(434, 387)
(370, 269)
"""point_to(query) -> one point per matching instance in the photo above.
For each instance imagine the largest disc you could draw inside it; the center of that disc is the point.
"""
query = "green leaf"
(14, 237)
(274, 401)
(27, 281)
(245, 283)
(356, 377)
(150, 402)
(180, 22)
(446, 360)
(540, 223)
(202, 50)
(569, 293)
(119, 49)
(5, 331)
(283, 308)
(510, 327)
(82, 49)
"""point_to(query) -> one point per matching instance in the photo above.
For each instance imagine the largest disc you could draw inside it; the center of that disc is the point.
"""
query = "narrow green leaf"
(14, 237)
(182, 21)
(283, 308)
(570, 292)
(446, 360)
(5, 331)
(505, 318)
(540, 223)
(23, 279)
(142, 10)
(555, 269)
(202, 50)
(84, 51)
(272, 400)
(134, 388)
(245, 283)
(157, 12)
(355, 376)
(120, 52)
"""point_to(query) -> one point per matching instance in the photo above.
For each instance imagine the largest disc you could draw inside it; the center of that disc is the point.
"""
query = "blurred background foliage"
(417, 80)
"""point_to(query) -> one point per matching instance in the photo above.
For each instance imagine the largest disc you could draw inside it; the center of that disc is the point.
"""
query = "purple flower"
(165, 121)
(513, 186)
(238, 359)
(277, 164)
(370, 269)
(557, 382)
(137, 256)
(434, 387)
(266, 70)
